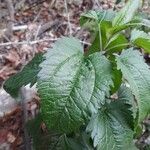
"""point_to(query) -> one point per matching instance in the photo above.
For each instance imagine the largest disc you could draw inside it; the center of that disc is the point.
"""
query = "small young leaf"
(143, 43)
(138, 34)
(98, 22)
(119, 28)
(116, 44)
(91, 15)
(127, 13)
(97, 16)
(112, 127)
(141, 39)
(27, 75)
(101, 37)
(136, 72)
(72, 86)
(145, 22)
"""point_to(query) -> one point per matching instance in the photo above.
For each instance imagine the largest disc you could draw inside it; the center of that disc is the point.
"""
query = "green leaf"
(117, 79)
(44, 140)
(119, 28)
(112, 127)
(73, 143)
(143, 43)
(141, 39)
(136, 72)
(98, 22)
(89, 16)
(72, 86)
(138, 34)
(117, 75)
(116, 44)
(127, 13)
(27, 75)
(92, 15)
(78, 142)
(145, 22)
(105, 41)
(101, 38)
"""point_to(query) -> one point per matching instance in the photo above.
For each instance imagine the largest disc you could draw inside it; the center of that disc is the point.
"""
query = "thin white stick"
(69, 24)
(36, 35)
(85, 43)
(37, 15)
(16, 28)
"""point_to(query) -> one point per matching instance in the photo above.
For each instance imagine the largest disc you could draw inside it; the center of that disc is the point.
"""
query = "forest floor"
(28, 27)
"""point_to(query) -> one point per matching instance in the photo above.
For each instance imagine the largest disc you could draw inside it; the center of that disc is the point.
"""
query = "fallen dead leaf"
(11, 138)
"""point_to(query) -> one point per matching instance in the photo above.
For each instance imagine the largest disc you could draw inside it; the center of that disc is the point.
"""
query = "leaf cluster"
(94, 100)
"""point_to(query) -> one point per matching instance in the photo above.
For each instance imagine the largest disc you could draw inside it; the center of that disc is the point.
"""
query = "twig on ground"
(69, 24)
(12, 17)
(37, 16)
(4, 32)
(35, 42)
(24, 118)
(52, 3)
(47, 26)
(6, 38)
(37, 33)
(10, 9)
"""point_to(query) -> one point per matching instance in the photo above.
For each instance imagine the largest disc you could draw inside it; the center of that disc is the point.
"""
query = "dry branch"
(47, 26)
(69, 24)
(15, 28)
(35, 42)
(12, 18)
(10, 9)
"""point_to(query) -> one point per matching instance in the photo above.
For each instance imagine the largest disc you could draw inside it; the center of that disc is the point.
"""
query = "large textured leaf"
(24, 77)
(141, 39)
(127, 13)
(71, 85)
(111, 128)
(137, 73)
